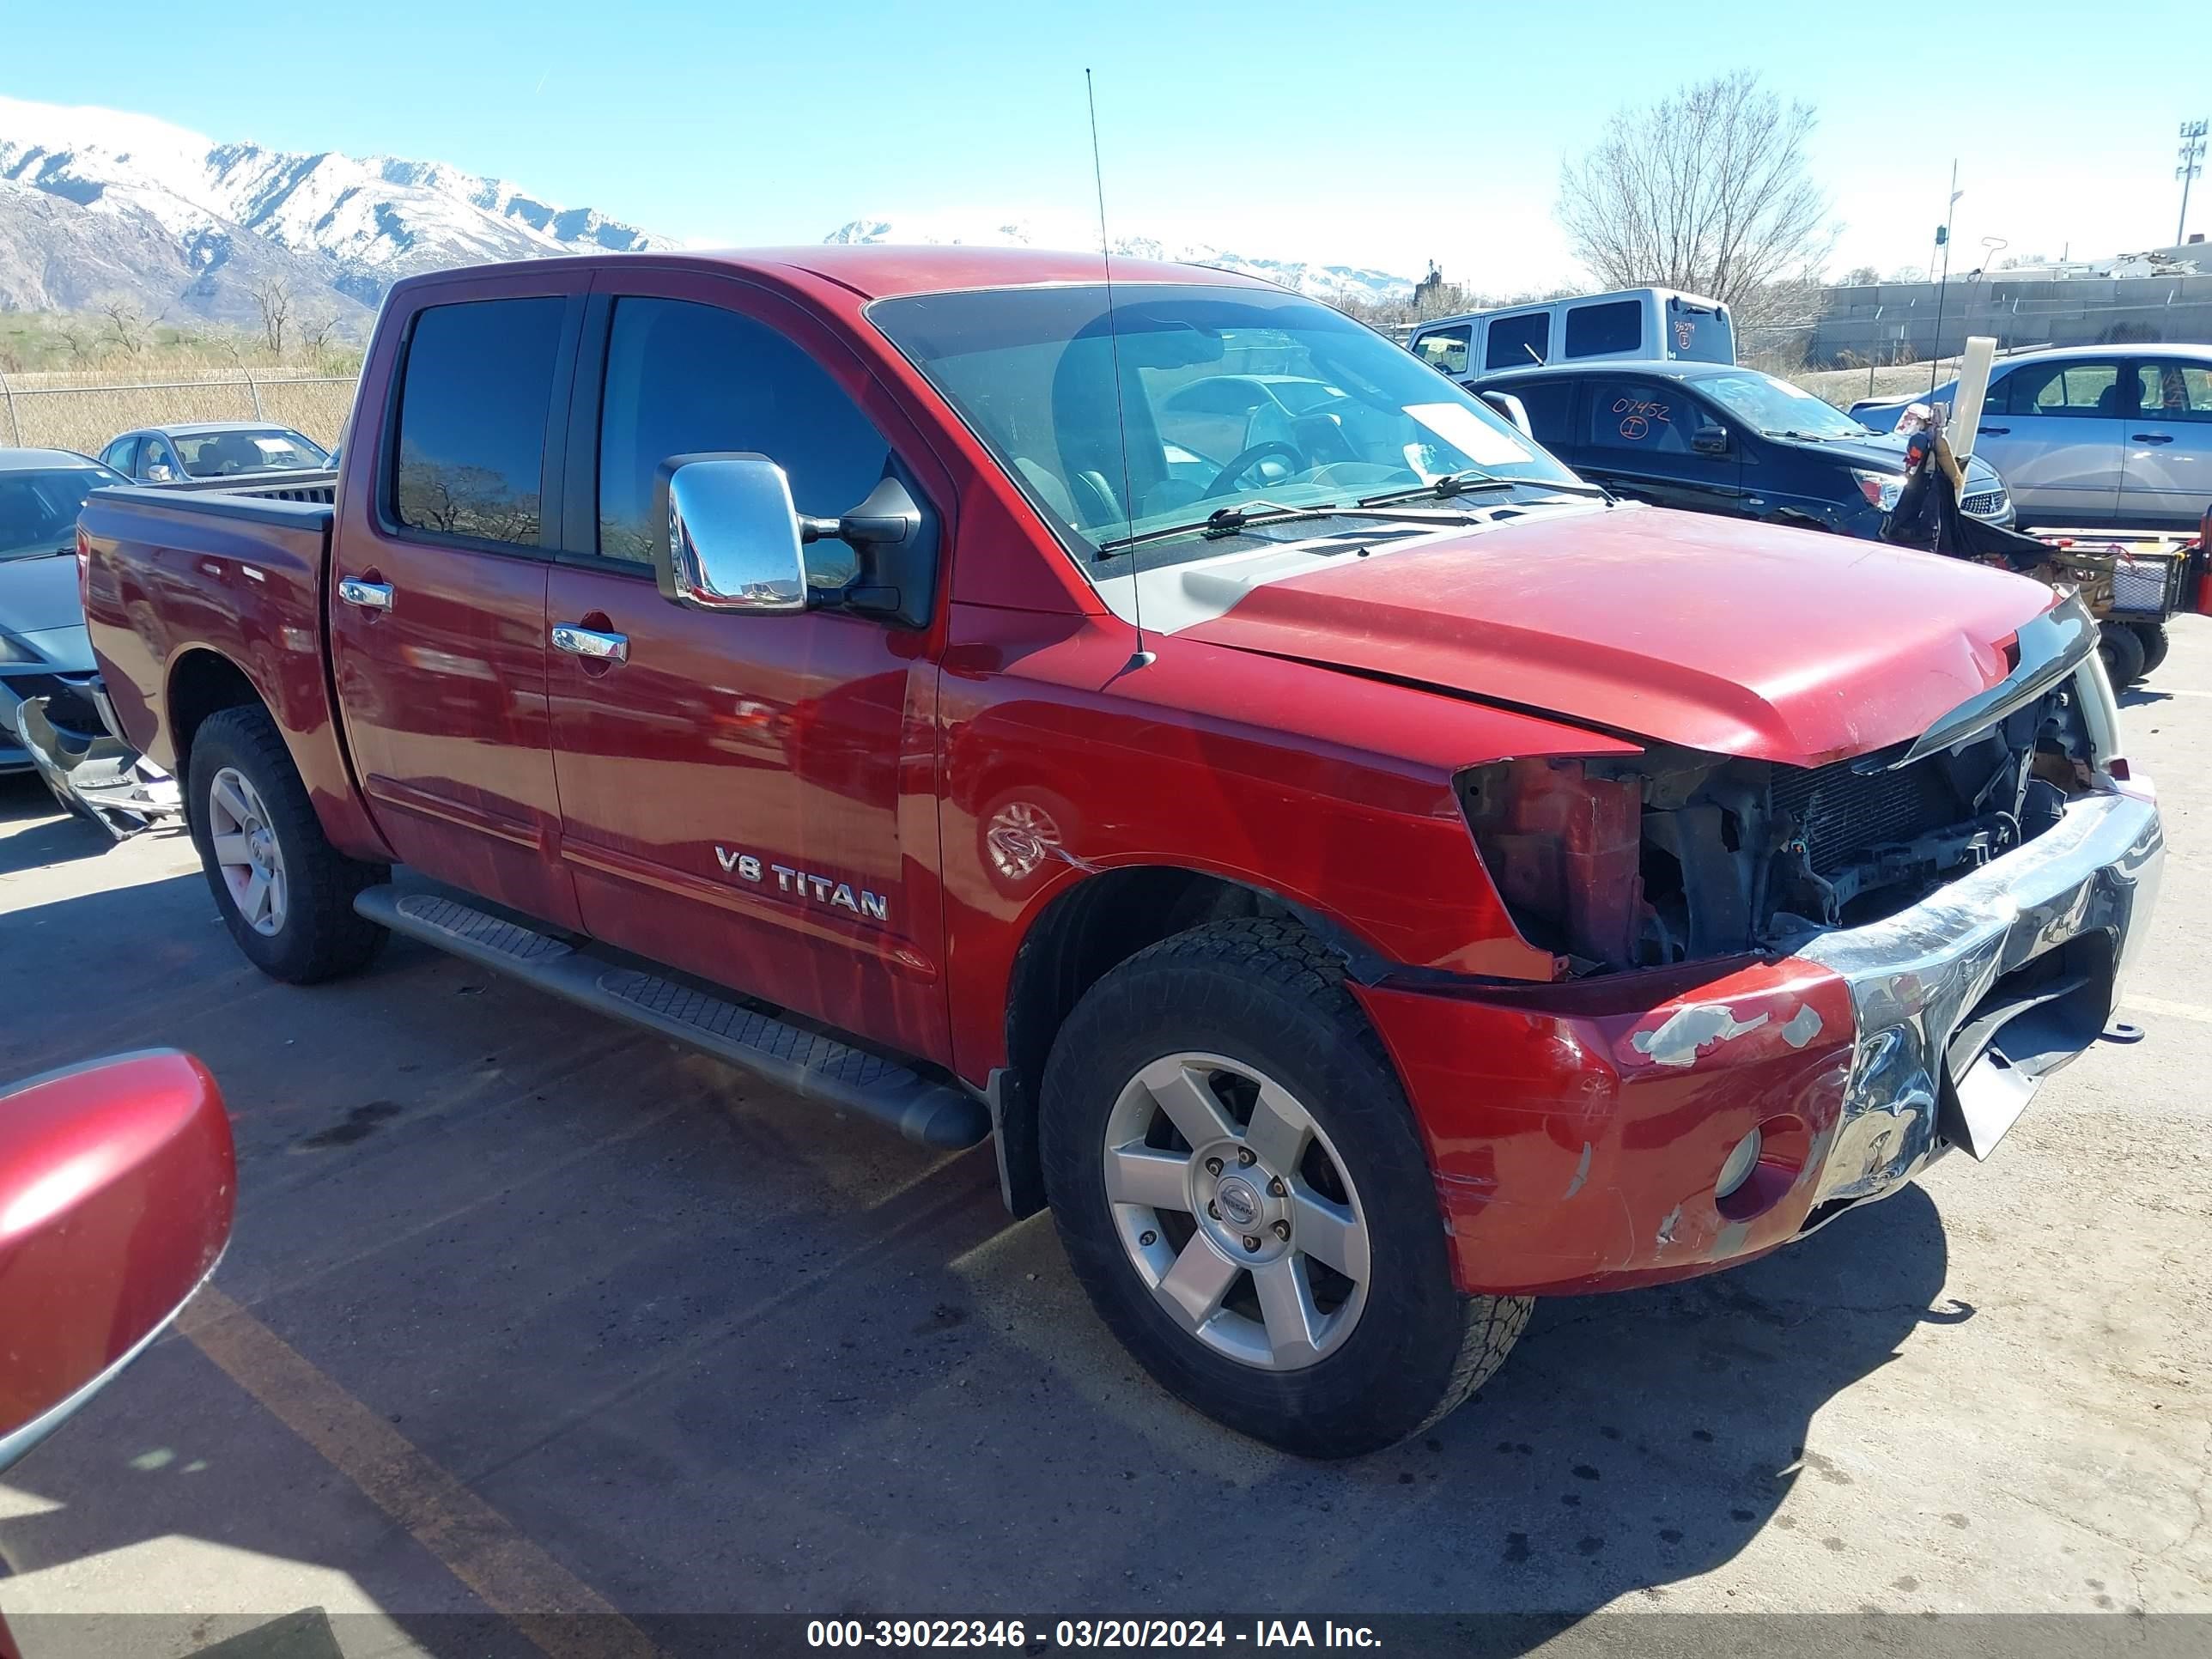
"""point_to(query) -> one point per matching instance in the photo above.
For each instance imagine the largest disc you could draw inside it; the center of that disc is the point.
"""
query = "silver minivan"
(2106, 435)
(1650, 323)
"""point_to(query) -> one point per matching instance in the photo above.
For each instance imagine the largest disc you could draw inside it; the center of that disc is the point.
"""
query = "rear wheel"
(285, 893)
(2122, 653)
(1239, 1182)
(2154, 643)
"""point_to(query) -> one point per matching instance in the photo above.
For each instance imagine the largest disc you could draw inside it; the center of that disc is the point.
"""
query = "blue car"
(1721, 437)
(44, 649)
(49, 718)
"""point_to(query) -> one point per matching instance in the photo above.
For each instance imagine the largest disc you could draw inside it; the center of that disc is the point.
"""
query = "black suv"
(1720, 438)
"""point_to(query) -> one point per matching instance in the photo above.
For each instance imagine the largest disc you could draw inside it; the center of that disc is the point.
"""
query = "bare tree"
(127, 326)
(1706, 191)
(273, 296)
(79, 339)
(1861, 277)
(318, 331)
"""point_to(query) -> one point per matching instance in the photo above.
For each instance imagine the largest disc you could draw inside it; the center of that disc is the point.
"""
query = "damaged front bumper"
(1966, 1002)
(1578, 1131)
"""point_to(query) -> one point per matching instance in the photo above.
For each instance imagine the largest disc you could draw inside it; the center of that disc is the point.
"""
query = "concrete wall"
(1886, 321)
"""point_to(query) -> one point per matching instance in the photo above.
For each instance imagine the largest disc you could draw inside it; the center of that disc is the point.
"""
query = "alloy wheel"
(1236, 1211)
(247, 852)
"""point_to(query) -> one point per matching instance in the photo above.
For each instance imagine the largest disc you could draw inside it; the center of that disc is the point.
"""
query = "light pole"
(1943, 242)
(2192, 164)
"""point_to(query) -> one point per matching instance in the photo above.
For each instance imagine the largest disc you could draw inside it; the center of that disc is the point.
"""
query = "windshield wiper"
(1461, 483)
(1443, 489)
(1231, 520)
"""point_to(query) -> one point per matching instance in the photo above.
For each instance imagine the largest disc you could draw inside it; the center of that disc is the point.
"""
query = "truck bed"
(180, 581)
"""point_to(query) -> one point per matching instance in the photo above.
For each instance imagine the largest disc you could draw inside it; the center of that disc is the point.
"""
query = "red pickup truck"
(1361, 875)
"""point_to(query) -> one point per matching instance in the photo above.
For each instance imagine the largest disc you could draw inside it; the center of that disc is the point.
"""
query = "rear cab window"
(469, 445)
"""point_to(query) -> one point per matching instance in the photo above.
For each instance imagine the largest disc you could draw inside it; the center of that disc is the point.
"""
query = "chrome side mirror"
(726, 535)
(1513, 410)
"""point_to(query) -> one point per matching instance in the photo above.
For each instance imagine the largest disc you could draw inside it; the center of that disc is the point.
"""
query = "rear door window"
(1613, 329)
(1517, 342)
(1445, 348)
(120, 454)
(2071, 388)
(1641, 417)
(473, 401)
(2173, 392)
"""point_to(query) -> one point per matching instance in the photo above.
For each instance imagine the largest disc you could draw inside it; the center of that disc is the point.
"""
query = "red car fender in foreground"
(118, 1185)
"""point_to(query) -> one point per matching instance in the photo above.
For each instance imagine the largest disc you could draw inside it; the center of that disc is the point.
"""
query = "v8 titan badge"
(815, 889)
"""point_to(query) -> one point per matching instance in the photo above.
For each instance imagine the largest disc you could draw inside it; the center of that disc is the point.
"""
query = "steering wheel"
(1245, 459)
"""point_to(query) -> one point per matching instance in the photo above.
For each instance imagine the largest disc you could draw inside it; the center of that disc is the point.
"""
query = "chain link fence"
(37, 413)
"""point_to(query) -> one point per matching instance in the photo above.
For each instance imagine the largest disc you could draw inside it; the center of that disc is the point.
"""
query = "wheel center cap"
(1240, 1201)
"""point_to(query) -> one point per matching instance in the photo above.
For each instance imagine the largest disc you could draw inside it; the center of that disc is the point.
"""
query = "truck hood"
(1718, 635)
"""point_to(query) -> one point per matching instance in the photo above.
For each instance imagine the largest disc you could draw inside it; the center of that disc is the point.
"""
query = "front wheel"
(1236, 1176)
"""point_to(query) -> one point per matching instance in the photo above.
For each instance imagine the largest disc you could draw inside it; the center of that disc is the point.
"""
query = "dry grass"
(1844, 386)
(85, 409)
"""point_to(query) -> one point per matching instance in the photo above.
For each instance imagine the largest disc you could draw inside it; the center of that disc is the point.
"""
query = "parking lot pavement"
(526, 1312)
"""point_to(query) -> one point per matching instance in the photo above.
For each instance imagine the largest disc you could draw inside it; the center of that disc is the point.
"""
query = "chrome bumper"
(1948, 1054)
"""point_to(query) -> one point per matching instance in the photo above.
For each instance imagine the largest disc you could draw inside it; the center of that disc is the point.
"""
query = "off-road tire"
(2123, 651)
(322, 936)
(1267, 994)
(2154, 643)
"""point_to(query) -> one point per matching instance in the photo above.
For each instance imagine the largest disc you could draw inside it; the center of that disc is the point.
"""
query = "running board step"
(805, 1062)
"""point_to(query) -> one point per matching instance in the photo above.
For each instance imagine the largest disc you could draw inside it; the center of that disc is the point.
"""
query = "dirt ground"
(527, 1314)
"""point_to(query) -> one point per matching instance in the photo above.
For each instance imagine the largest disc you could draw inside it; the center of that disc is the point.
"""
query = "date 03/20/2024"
(1127, 1633)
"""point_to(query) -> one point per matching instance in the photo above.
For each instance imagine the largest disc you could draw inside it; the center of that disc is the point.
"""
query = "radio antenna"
(1141, 658)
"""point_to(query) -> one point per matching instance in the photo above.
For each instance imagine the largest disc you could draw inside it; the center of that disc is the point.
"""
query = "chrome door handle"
(590, 643)
(369, 596)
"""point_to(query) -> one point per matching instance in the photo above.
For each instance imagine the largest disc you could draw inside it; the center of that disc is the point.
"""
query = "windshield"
(266, 449)
(1233, 399)
(1777, 408)
(37, 510)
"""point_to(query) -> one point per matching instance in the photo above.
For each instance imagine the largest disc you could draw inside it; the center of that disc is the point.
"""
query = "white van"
(1637, 322)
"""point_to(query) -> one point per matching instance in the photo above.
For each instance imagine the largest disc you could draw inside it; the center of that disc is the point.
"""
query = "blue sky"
(1352, 134)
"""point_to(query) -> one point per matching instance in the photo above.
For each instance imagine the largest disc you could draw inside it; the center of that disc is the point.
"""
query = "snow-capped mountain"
(100, 206)
(1322, 282)
(357, 223)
